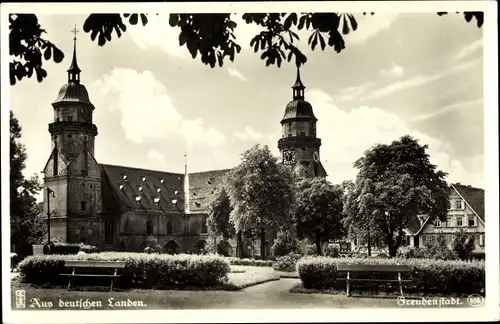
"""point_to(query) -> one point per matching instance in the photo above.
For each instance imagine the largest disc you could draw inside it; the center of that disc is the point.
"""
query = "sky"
(409, 73)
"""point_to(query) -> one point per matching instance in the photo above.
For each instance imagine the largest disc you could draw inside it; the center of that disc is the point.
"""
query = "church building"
(118, 207)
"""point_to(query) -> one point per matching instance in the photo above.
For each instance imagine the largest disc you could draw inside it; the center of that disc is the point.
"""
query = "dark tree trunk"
(318, 244)
(369, 245)
(262, 243)
(239, 243)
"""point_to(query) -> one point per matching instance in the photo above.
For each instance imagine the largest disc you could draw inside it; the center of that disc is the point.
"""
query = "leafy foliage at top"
(207, 36)
(394, 185)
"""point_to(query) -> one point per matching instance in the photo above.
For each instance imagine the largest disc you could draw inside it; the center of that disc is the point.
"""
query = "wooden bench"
(81, 264)
(353, 268)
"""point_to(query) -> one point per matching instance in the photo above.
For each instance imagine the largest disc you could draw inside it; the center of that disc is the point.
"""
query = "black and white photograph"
(265, 161)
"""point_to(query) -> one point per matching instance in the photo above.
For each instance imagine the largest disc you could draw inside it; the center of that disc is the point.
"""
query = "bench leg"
(69, 283)
(111, 287)
(348, 285)
(400, 284)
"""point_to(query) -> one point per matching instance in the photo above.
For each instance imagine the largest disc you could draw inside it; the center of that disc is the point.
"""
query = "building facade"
(118, 207)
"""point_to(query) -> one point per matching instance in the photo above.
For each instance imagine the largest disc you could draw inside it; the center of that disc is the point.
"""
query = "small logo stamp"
(20, 299)
(475, 300)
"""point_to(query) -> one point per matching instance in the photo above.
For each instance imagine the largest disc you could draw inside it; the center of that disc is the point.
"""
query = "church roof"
(137, 188)
(202, 186)
(298, 109)
(74, 93)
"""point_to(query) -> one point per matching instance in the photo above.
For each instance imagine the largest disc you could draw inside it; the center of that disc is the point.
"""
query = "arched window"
(170, 226)
(149, 227)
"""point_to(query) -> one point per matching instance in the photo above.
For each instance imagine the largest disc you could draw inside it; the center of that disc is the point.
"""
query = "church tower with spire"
(299, 146)
(72, 179)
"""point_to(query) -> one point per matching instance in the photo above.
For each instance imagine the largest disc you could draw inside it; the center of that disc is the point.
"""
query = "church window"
(83, 184)
(149, 227)
(70, 118)
(69, 136)
(57, 119)
(204, 227)
(170, 226)
(91, 186)
(302, 133)
(83, 205)
(109, 230)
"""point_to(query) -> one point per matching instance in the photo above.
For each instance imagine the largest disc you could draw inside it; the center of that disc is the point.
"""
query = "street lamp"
(49, 191)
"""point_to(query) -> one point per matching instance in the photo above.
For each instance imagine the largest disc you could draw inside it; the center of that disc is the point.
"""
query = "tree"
(463, 244)
(262, 194)
(360, 226)
(319, 211)
(394, 185)
(211, 35)
(219, 221)
(285, 242)
(27, 224)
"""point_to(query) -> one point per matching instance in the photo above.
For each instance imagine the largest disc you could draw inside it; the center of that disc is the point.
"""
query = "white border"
(491, 310)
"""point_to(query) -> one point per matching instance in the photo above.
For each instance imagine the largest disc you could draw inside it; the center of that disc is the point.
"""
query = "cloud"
(468, 50)
(147, 111)
(250, 134)
(369, 26)
(235, 73)
(394, 71)
(349, 133)
(447, 109)
(349, 93)
(154, 155)
(421, 79)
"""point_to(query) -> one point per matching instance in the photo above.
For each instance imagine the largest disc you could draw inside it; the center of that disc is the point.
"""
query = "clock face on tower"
(288, 157)
(315, 156)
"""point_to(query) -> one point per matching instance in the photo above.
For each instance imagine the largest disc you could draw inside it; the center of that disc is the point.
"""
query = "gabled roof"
(474, 197)
(205, 179)
(129, 183)
(64, 159)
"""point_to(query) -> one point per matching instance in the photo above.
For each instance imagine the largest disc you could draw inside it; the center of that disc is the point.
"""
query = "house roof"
(129, 183)
(474, 197)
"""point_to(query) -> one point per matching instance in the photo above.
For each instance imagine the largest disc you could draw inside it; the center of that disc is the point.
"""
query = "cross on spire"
(74, 31)
(74, 70)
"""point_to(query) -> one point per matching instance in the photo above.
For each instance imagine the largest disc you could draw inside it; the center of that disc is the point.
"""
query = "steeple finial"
(298, 87)
(74, 70)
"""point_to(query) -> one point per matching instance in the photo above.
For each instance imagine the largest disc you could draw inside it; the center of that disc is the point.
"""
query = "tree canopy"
(319, 211)
(394, 185)
(261, 191)
(27, 225)
(219, 210)
(208, 36)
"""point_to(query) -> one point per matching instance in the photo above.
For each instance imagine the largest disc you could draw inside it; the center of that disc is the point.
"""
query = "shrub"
(382, 256)
(331, 251)
(429, 276)
(141, 270)
(68, 248)
(285, 243)
(463, 244)
(250, 262)
(151, 243)
(287, 263)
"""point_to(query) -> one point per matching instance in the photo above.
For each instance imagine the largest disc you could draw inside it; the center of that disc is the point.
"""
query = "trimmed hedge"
(250, 262)
(69, 248)
(141, 270)
(430, 276)
(287, 263)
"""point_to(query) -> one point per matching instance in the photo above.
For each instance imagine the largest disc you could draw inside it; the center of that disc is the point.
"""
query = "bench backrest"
(94, 264)
(373, 267)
